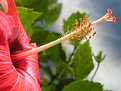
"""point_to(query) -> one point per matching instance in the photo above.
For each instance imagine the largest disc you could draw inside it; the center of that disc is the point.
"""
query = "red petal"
(17, 75)
(10, 7)
(8, 74)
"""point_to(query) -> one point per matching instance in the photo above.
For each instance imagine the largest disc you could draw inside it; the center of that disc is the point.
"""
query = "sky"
(107, 39)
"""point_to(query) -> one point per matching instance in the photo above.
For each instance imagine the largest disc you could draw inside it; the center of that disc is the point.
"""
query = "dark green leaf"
(70, 21)
(44, 82)
(39, 36)
(51, 71)
(45, 79)
(37, 5)
(48, 88)
(50, 8)
(83, 86)
(42, 67)
(45, 88)
(67, 68)
(62, 83)
(83, 63)
(43, 58)
(53, 13)
(27, 17)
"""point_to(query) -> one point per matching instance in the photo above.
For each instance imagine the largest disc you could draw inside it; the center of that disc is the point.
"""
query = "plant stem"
(72, 55)
(53, 79)
(95, 71)
(62, 70)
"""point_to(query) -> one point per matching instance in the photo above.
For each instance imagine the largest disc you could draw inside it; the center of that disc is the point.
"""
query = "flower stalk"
(78, 32)
(95, 71)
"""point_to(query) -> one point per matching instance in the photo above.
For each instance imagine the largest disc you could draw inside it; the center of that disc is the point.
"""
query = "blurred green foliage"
(83, 86)
(59, 72)
(27, 17)
(50, 8)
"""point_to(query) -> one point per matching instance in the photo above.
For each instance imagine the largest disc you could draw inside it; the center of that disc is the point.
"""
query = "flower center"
(16, 47)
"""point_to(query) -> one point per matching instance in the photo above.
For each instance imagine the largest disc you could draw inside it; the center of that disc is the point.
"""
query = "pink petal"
(16, 75)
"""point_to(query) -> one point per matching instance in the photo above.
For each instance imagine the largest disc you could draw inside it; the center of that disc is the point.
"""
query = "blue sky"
(107, 39)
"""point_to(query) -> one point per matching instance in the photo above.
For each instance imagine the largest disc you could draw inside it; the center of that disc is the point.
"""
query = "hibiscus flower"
(16, 75)
(19, 70)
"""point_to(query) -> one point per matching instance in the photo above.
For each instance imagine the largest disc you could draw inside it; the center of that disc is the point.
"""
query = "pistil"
(78, 32)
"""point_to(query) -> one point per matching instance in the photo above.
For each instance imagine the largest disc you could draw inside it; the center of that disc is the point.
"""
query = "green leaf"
(27, 17)
(83, 86)
(83, 63)
(67, 68)
(51, 70)
(62, 83)
(39, 36)
(43, 58)
(46, 88)
(50, 8)
(70, 21)
(45, 79)
(37, 5)
(53, 13)
(1, 8)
